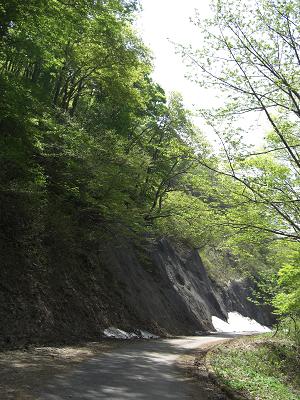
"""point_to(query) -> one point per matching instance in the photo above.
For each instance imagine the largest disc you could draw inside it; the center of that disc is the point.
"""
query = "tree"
(287, 299)
(81, 113)
(252, 54)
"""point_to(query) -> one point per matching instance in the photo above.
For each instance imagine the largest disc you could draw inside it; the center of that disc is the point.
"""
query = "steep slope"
(164, 289)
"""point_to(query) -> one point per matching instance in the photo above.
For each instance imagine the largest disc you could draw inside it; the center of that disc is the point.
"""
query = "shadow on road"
(141, 370)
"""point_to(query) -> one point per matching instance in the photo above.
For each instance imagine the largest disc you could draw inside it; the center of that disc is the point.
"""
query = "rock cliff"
(164, 289)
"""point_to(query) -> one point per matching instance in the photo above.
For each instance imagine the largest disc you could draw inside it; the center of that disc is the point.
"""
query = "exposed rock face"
(236, 298)
(164, 290)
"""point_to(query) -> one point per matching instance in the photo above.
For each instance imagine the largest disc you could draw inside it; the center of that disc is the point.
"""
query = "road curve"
(143, 370)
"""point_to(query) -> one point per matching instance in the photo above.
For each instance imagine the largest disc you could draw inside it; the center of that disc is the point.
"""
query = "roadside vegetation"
(260, 368)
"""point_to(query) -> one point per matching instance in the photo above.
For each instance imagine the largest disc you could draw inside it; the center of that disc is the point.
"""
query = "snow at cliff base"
(115, 333)
(238, 323)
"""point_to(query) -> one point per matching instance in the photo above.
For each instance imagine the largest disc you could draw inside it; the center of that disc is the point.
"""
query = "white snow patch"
(116, 333)
(238, 323)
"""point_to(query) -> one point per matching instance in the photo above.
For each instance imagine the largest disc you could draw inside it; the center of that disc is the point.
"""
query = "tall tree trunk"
(36, 71)
(76, 98)
(58, 84)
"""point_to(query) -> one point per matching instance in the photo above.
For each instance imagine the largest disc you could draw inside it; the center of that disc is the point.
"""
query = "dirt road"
(140, 370)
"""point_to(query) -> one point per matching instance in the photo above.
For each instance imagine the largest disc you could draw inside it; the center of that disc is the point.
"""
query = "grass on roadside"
(261, 368)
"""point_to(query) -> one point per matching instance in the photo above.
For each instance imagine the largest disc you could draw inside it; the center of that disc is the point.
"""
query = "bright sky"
(165, 21)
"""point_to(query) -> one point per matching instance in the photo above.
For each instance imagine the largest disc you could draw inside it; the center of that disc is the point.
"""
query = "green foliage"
(91, 143)
(250, 52)
(84, 126)
(264, 369)
(287, 299)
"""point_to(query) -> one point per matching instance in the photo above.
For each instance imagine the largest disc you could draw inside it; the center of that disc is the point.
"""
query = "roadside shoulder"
(257, 367)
